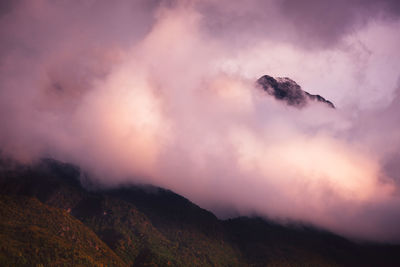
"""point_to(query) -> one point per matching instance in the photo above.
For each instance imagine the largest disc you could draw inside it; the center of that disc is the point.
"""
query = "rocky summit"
(288, 91)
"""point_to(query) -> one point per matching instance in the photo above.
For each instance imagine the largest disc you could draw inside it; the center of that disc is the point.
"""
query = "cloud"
(310, 24)
(163, 92)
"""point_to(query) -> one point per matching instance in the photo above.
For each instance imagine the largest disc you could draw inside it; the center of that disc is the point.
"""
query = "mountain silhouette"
(288, 91)
(48, 217)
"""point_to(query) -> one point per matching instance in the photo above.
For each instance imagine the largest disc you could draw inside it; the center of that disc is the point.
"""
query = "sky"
(163, 92)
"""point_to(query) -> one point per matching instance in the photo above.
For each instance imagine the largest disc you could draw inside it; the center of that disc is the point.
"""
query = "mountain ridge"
(160, 228)
(286, 90)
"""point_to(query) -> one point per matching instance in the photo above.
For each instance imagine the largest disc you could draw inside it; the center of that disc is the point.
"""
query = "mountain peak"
(287, 90)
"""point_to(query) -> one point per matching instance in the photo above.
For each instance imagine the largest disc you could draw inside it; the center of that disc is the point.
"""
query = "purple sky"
(162, 92)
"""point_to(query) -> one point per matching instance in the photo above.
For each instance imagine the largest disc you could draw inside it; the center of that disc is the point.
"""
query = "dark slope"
(169, 210)
(288, 91)
(261, 241)
(119, 223)
(148, 226)
(33, 233)
(197, 233)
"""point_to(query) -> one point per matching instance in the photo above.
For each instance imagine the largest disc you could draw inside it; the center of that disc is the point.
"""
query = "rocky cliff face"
(287, 90)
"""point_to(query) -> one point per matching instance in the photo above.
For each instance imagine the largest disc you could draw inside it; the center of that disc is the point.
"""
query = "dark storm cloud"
(6, 6)
(310, 23)
(326, 22)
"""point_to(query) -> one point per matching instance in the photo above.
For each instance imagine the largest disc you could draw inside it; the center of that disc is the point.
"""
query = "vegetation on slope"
(116, 220)
(49, 218)
(32, 233)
